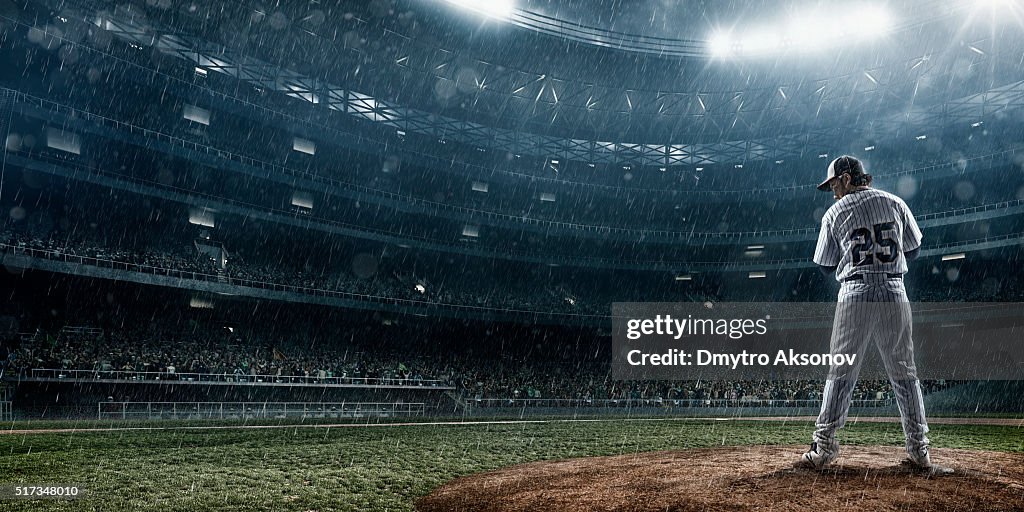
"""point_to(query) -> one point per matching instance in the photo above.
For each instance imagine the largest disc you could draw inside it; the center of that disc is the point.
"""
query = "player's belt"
(860, 277)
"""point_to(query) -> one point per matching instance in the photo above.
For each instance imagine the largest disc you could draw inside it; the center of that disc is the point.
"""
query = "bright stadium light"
(996, 11)
(872, 21)
(804, 33)
(720, 44)
(997, 4)
(500, 9)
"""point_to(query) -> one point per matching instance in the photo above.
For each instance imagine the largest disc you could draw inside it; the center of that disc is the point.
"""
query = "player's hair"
(860, 180)
(847, 164)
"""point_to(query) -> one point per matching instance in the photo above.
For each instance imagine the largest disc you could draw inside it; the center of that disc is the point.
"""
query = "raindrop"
(315, 18)
(68, 54)
(278, 20)
(379, 8)
(14, 270)
(906, 187)
(100, 38)
(466, 79)
(961, 164)
(818, 213)
(953, 274)
(47, 37)
(93, 75)
(351, 39)
(990, 286)
(165, 177)
(32, 179)
(364, 265)
(390, 164)
(963, 190)
(13, 143)
(445, 89)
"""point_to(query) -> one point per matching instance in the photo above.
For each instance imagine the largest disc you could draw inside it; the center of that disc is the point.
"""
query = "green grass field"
(367, 468)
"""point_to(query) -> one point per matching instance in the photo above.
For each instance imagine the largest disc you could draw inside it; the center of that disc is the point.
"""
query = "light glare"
(501, 9)
(720, 45)
(804, 33)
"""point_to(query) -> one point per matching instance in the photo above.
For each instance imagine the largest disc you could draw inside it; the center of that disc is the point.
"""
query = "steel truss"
(791, 105)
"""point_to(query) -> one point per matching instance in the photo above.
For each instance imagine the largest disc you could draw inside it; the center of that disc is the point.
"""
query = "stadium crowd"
(206, 355)
(383, 285)
(495, 384)
(462, 290)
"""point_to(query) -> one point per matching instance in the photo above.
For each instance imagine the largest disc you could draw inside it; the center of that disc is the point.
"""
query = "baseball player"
(866, 239)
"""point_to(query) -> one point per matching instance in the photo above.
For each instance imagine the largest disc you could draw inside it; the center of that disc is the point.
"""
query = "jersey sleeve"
(911, 232)
(828, 252)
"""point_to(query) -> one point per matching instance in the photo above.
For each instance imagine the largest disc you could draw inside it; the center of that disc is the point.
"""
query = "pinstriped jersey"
(867, 231)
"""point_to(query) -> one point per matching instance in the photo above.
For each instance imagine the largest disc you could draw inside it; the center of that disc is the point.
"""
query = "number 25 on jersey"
(873, 243)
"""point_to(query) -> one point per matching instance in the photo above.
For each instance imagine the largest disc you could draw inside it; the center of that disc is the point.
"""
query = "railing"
(55, 255)
(273, 168)
(240, 378)
(487, 403)
(988, 239)
(264, 285)
(974, 209)
(397, 237)
(247, 410)
(473, 213)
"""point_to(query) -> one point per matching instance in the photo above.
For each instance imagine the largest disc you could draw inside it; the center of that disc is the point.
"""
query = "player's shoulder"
(883, 194)
(896, 200)
(874, 194)
(855, 201)
(833, 211)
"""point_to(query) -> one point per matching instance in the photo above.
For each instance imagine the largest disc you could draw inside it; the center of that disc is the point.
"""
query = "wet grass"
(87, 424)
(376, 468)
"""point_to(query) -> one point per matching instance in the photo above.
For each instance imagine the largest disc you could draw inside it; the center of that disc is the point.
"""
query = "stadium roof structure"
(394, 79)
(422, 55)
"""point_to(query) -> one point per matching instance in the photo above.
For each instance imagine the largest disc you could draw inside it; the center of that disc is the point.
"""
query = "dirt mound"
(741, 478)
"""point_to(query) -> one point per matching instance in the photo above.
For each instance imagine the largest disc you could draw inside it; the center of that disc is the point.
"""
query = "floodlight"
(804, 33)
(501, 9)
(871, 21)
(720, 45)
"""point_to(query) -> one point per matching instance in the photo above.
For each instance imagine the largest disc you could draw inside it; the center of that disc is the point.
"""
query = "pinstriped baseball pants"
(877, 309)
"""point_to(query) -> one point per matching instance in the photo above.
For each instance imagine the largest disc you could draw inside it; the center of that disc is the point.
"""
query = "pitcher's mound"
(741, 478)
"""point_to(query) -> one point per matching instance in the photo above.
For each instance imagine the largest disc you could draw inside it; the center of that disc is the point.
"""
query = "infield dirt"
(741, 478)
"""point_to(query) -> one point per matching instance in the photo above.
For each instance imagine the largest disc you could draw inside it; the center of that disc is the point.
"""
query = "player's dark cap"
(843, 165)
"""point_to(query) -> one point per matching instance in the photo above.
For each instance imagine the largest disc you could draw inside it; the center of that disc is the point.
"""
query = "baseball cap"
(843, 165)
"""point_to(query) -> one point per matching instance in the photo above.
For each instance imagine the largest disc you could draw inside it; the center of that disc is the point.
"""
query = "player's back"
(871, 230)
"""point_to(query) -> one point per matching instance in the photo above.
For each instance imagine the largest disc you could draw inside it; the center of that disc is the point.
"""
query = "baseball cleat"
(921, 461)
(819, 457)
